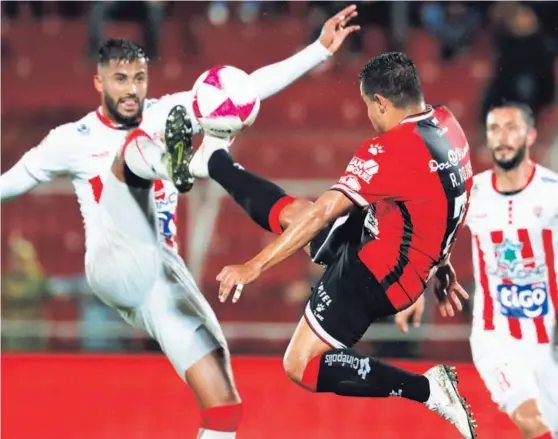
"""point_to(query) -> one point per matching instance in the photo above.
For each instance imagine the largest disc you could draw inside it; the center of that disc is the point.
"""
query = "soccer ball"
(225, 101)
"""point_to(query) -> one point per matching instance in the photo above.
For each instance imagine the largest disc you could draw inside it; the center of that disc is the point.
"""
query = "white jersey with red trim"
(85, 150)
(515, 243)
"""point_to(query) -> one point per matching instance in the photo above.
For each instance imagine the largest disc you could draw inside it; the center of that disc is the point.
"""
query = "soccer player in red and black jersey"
(383, 231)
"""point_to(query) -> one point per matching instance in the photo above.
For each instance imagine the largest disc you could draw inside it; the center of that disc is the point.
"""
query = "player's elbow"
(320, 216)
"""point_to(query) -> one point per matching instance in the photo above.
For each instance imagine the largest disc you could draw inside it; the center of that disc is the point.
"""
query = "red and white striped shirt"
(515, 242)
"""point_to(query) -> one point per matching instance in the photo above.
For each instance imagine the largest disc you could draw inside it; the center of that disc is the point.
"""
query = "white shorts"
(514, 372)
(132, 271)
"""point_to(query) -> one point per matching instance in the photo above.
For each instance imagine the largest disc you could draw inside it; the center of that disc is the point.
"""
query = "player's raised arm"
(273, 78)
(38, 165)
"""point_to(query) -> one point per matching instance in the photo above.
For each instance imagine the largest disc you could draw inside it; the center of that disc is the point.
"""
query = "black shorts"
(346, 300)
(326, 247)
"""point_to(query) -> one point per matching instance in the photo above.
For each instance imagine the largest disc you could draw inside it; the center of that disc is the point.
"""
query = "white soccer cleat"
(445, 400)
(200, 160)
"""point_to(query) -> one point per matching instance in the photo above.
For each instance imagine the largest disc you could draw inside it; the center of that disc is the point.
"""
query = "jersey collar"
(529, 180)
(107, 122)
(419, 116)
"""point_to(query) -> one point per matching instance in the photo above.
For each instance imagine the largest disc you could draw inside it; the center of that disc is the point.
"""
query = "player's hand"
(335, 30)
(414, 313)
(235, 277)
(448, 291)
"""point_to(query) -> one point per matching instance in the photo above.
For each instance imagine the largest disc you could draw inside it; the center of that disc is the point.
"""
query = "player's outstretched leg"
(265, 203)
(320, 367)
(145, 160)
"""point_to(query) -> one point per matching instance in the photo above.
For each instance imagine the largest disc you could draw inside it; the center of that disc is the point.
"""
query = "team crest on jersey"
(507, 253)
(511, 265)
(538, 211)
(83, 129)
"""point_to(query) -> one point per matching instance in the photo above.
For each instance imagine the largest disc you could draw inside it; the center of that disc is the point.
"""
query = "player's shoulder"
(482, 179)
(386, 142)
(149, 103)
(546, 177)
(69, 132)
(372, 147)
(482, 183)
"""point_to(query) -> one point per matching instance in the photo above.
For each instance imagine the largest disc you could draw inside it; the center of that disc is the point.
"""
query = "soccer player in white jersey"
(127, 185)
(513, 217)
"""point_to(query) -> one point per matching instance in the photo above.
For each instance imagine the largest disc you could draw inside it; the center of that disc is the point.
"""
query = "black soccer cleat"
(178, 141)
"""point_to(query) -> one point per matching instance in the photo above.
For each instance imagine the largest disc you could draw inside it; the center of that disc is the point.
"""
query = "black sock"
(346, 372)
(254, 194)
(134, 181)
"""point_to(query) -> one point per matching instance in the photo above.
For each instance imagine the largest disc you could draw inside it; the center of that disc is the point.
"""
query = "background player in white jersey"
(513, 219)
(131, 262)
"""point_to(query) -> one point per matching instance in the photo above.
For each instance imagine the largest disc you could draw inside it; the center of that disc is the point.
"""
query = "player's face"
(508, 137)
(123, 87)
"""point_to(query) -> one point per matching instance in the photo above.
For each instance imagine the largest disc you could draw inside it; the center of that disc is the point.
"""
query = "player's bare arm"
(331, 205)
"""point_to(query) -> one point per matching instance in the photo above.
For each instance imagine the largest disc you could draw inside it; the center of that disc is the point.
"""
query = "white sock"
(212, 434)
(145, 158)
(199, 164)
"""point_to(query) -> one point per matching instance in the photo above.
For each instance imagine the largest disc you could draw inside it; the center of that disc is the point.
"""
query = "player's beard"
(128, 121)
(515, 161)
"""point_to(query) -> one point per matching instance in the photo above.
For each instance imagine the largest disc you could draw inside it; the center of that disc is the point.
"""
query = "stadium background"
(71, 369)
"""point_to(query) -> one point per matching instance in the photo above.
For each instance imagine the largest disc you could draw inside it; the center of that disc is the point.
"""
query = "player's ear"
(531, 136)
(98, 83)
(382, 103)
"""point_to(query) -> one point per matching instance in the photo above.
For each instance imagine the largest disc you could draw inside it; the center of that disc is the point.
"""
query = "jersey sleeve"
(40, 164)
(369, 177)
(273, 78)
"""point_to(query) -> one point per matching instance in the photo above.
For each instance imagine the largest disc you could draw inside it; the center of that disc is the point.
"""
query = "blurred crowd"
(525, 34)
(525, 41)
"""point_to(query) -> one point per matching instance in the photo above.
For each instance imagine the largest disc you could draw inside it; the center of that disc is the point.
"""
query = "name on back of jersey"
(462, 171)
(523, 301)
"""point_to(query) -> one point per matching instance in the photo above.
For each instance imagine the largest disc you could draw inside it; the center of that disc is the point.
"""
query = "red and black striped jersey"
(415, 180)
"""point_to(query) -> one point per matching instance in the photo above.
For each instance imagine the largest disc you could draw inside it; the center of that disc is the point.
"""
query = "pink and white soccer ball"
(225, 101)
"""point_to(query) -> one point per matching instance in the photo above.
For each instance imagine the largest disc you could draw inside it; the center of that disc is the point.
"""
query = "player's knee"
(529, 420)
(293, 367)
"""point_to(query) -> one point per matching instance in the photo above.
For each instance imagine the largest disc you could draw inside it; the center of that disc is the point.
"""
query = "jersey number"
(458, 214)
